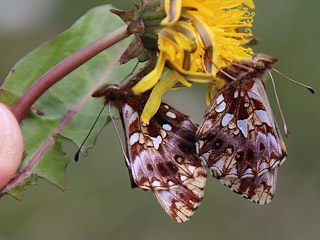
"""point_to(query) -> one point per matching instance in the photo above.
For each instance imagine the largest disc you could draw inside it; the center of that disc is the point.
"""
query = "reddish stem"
(63, 68)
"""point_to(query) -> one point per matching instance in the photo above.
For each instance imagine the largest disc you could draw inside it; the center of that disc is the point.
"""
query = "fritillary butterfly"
(239, 139)
(161, 156)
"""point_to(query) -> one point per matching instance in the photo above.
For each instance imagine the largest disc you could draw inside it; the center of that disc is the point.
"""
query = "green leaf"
(68, 110)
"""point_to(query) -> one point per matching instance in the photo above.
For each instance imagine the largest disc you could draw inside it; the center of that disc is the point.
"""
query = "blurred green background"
(99, 203)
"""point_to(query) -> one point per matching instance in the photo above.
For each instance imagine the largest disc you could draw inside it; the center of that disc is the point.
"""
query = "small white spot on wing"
(133, 117)
(253, 95)
(263, 116)
(233, 171)
(243, 126)
(171, 115)
(220, 98)
(273, 161)
(127, 110)
(191, 168)
(183, 178)
(156, 142)
(231, 126)
(221, 107)
(170, 183)
(263, 166)
(141, 138)
(236, 132)
(236, 94)
(226, 119)
(200, 143)
(206, 155)
(163, 133)
(156, 183)
(219, 164)
(134, 138)
(248, 171)
(166, 127)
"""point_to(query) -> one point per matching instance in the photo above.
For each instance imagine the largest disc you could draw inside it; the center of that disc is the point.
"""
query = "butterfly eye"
(260, 65)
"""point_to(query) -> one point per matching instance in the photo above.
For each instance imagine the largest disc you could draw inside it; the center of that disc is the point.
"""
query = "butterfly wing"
(239, 137)
(161, 154)
(162, 157)
(258, 189)
(182, 201)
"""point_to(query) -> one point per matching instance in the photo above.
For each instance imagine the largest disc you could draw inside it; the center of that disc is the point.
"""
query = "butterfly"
(239, 139)
(161, 156)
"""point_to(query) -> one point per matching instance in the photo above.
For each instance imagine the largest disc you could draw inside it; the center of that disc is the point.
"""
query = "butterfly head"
(108, 91)
(257, 67)
(262, 62)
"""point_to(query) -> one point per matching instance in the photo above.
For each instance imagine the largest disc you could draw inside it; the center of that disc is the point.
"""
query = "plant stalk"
(65, 67)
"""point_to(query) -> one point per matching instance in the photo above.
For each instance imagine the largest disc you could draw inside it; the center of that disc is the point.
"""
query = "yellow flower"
(197, 39)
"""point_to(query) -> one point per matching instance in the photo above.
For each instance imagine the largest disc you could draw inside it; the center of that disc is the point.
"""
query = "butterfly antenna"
(134, 68)
(249, 69)
(286, 131)
(119, 138)
(76, 156)
(311, 89)
(139, 72)
(221, 70)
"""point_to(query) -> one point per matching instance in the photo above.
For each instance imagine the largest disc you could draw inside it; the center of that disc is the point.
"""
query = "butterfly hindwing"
(259, 189)
(180, 202)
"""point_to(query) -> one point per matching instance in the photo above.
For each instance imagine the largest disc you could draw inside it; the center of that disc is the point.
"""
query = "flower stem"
(65, 67)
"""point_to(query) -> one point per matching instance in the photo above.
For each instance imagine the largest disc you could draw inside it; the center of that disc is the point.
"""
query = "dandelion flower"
(197, 38)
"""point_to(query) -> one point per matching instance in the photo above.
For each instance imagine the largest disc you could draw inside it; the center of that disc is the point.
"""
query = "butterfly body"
(161, 156)
(239, 139)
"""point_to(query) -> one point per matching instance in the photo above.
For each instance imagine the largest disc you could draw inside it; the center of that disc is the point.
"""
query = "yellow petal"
(154, 100)
(173, 11)
(182, 80)
(249, 3)
(200, 77)
(208, 40)
(152, 78)
(210, 90)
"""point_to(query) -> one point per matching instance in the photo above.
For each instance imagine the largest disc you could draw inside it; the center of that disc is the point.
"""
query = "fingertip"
(11, 145)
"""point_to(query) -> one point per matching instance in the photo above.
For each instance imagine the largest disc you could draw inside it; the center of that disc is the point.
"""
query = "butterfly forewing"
(161, 156)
